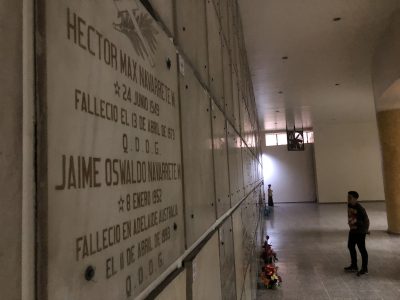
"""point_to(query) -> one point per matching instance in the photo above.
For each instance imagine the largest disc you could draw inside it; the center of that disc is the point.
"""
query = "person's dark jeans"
(359, 240)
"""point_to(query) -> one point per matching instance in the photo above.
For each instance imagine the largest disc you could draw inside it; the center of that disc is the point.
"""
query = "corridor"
(139, 139)
(311, 244)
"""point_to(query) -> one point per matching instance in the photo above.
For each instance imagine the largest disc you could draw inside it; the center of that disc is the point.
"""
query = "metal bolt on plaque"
(89, 273)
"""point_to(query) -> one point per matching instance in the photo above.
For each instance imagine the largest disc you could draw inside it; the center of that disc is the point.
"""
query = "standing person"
(270, 200)
(359, 226)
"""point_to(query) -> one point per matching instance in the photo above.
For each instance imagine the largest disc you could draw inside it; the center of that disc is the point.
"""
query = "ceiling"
(326, 77)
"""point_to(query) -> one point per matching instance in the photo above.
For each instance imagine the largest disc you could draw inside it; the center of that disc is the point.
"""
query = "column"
(386, 85)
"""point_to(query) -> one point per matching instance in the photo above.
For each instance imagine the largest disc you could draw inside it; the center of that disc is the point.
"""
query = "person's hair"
(269, 185)
(353, 194)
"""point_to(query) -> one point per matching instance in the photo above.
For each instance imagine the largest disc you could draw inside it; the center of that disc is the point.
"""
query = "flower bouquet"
(268, 254)
(269, 277)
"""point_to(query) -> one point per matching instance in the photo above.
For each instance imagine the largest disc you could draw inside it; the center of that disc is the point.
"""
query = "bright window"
(309, 136)
(280, 138)
(270, 140)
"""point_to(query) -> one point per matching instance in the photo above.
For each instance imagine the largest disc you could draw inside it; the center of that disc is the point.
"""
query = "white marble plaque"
(197, 149)
(221, 171)
(206, 277)
(176, 289)
(228, 90)
(235, 100)
(238, 237)
(216, 75)
(191, 34)
(165, 10)
(227, 260)
(114, 190)
(224, 17)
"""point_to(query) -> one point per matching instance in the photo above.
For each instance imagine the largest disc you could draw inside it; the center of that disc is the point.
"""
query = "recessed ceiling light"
(285, 57)
(337, 19)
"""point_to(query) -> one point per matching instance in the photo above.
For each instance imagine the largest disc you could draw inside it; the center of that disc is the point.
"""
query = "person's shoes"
(351, 269)
(362, 272)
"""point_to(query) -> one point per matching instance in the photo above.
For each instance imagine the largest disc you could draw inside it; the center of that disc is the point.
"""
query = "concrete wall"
(291, 173)
(347, 158)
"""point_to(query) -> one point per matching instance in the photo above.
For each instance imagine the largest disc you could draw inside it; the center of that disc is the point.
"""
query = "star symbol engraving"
(116, 88)
(121, 204)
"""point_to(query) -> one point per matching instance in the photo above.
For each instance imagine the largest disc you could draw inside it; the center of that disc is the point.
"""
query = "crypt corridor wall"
(148, 167)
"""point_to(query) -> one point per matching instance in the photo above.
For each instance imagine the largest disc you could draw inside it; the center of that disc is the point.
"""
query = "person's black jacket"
(358, 219)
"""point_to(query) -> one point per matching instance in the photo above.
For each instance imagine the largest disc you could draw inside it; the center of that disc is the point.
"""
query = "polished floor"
(311, 243)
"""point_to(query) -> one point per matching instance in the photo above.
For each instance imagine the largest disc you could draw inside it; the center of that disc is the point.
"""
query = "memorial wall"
(148, 153)
(11, 109)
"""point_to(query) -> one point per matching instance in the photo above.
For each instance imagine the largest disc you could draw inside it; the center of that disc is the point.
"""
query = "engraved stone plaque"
(113, 199)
